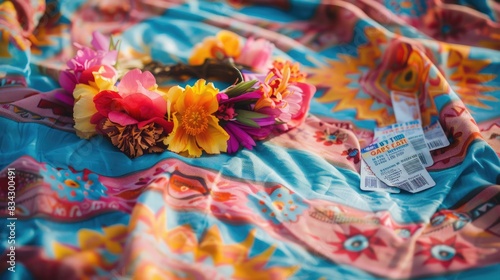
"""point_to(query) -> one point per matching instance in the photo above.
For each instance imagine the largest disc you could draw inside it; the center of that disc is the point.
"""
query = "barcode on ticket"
(418, 144)
(371, 182)
(413, 166)
(422, 158)
(420, 147)
(414, 184)
(435, 144)
(435, 136)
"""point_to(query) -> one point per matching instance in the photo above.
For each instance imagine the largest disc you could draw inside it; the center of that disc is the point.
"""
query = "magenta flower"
(256, 54)
(237, 137)
(87, 58)
(241, 123)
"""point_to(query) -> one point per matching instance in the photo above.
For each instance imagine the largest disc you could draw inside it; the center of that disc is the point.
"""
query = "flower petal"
(96, 118)
(204, 95)
(68, 80)
(121, 118)
(133, 78)
(107, 101)
(177, 140)
(256, 133)
(192, 148)
(99, 41)
(256, 54)
(214, 139)
(167, 126)
(90, 73)
(240, 136)
(308, 91)
(202, 51)
(173, 95)
(141, 107)
(230, 42)
(108, 58)
(202, 87)
(233, 145)
(83, 110)
(103, 83)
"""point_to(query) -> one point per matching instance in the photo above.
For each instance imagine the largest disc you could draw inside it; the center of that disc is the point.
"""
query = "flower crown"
(266, 96)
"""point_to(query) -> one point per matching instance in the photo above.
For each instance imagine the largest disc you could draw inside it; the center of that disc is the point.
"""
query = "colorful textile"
(292, 207)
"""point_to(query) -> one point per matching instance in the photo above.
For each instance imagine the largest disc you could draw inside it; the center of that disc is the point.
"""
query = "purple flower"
(241, 123)
(237, 137)
(243, 135)
(84, 59)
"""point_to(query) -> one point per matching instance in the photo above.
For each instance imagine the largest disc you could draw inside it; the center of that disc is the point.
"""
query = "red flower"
(136, 103)
(443, 252)
(358, 243)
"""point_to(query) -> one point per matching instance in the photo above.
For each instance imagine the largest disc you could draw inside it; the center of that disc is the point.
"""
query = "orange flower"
(295, 74)
(195, 126)
(275, 88)
(224, 44)
(285, 93)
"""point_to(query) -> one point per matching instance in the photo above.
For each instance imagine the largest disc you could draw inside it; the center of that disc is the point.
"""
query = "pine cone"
(132, 140)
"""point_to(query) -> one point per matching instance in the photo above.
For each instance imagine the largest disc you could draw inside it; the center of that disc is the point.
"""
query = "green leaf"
(114, 45)
(240, 88)
(247, 122)
(250, 114)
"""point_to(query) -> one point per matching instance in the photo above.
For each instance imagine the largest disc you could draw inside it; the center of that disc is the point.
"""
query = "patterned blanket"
(290, 208)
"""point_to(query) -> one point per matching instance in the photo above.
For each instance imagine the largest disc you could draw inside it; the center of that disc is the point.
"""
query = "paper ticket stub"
(370, 182)
(405, 106)
(395, 162)
(435, 137)
(413, 131)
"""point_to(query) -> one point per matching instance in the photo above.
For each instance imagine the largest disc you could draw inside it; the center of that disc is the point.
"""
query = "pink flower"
(136, 102)
(87, 58)
(67, 79)
(100, 42)
(284, 95)
(256, 54)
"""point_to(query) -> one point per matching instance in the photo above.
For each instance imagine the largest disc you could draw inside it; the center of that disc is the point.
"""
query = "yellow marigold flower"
(195, 126)
(224, 44)
(84, 107)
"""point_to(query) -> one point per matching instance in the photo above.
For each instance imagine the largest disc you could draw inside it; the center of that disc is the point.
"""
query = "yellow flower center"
(194, 120)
